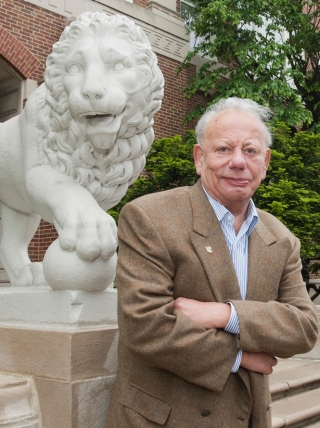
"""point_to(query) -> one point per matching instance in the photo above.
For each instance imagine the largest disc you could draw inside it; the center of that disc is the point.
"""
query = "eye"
(74, 68)
(251, 151)
(118, 66)
(222, 149)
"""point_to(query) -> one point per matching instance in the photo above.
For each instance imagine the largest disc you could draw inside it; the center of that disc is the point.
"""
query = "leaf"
(267, 51)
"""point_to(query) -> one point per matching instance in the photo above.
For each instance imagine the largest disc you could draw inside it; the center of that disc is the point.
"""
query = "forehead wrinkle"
(224, 129)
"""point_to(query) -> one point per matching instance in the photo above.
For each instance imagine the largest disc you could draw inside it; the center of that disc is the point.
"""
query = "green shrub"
(169, 164)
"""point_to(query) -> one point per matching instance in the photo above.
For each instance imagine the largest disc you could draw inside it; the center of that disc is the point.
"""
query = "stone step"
(4, 279)
(291, 376)
(297, 410)
(314, 425)
(3, 274)
(295, 390)
(4, 283)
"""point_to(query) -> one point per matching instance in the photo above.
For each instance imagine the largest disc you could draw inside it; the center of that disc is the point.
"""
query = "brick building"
(28, 29)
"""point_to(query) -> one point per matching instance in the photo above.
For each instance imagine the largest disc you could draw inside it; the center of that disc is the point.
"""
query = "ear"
(266, 163)
(198, 158)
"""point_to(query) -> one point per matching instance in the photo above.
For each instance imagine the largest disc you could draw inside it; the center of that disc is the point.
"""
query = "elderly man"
(210, 289)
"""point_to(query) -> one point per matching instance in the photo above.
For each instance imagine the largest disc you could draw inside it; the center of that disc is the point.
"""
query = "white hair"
(244, 105)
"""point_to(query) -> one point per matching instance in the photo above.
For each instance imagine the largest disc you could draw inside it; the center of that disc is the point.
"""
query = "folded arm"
(148, 322)
(216, 315)
(282, 327)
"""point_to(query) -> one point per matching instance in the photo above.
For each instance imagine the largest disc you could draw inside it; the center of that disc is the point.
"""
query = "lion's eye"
(74, 68)
(118, 66)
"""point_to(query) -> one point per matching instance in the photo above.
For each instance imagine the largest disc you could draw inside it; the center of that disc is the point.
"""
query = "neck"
(240, 215)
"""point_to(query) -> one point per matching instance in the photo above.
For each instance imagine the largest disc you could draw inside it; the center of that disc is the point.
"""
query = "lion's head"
(102, 89)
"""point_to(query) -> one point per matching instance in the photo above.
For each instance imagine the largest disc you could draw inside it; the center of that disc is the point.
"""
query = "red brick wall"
(34, 27)
(168, 121)
(32, 31)
(178, 6)
(142, 3)
(44, 236)
(17, 54)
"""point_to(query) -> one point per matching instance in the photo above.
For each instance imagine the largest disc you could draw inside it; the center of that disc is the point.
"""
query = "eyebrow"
(106, 53)
(74, 56)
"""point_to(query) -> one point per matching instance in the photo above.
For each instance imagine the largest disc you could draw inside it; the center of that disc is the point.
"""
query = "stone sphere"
(64, 270)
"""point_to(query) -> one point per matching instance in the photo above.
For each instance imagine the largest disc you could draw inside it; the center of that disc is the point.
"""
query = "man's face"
(233, 159)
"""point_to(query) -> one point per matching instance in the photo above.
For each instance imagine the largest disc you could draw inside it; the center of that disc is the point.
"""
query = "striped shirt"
(238, 247)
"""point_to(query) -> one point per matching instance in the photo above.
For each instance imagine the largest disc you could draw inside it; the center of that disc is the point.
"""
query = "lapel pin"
(209, 250)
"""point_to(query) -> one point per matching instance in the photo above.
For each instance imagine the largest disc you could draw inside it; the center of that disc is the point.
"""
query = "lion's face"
(102, 89)
(105, 86)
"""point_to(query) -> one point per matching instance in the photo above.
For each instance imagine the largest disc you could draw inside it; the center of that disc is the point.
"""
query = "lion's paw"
(31, 275)
(38, 276)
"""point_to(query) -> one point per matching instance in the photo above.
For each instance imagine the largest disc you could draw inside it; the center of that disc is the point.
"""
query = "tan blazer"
(172, 372)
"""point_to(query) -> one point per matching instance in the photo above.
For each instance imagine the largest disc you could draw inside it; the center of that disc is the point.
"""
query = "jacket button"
(205, 413)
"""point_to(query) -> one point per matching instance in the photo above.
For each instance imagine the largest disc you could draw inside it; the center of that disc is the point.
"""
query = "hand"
(206, 314)
(81, 223)
(258, 362)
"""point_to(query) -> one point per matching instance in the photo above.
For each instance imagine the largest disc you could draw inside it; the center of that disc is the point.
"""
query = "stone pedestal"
(19, 404)
(63, 344)
(47, 308)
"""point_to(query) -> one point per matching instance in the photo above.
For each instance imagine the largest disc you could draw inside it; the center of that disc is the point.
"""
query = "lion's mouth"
(99, 118)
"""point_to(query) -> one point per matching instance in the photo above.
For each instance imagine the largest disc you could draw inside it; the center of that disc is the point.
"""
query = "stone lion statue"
(81, 140)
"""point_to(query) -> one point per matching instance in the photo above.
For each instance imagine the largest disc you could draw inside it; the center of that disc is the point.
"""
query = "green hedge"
(291, 190)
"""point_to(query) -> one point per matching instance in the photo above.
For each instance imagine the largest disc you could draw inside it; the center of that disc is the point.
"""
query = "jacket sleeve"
(148, 325)
(285, 326)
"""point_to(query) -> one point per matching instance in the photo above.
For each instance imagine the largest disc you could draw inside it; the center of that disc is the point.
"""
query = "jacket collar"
(209, 243)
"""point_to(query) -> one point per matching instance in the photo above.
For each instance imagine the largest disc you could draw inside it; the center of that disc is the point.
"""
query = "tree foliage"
(266, 51)
(291, 189)
(169, 164)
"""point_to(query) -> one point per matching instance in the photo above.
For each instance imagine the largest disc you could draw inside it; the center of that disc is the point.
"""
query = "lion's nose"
(93, 92)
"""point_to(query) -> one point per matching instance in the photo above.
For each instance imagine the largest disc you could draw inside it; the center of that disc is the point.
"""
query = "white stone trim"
(32, 307)
(165, 29)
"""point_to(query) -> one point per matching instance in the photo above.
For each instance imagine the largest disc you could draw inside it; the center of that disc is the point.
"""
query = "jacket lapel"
(260, 247)
(209, 243)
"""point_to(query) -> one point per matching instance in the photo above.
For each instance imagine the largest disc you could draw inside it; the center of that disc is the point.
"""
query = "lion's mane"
(63, 140)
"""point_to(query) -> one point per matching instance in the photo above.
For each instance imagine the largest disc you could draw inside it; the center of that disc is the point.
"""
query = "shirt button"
(205, 413)
(229, 218)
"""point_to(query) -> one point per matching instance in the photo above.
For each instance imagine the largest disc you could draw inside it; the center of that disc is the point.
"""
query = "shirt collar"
(221, 212)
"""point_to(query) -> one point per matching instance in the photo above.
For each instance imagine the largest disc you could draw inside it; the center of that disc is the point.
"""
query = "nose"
(237, 160)
(93, 91)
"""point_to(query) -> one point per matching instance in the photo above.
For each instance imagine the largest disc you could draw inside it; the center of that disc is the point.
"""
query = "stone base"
(44, 307)
(19, 404)
(73, 372)
(63, 345)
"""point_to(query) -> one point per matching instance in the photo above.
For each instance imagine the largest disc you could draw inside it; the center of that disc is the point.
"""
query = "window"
(186, 13)
(186, 7)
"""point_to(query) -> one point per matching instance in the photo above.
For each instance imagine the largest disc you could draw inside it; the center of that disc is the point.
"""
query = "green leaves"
(267, 51)
(169, 164)
(291, 190)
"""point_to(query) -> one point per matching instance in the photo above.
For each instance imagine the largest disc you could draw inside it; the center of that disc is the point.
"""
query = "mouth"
(101, 129)
(238, 181)
(97, 118)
